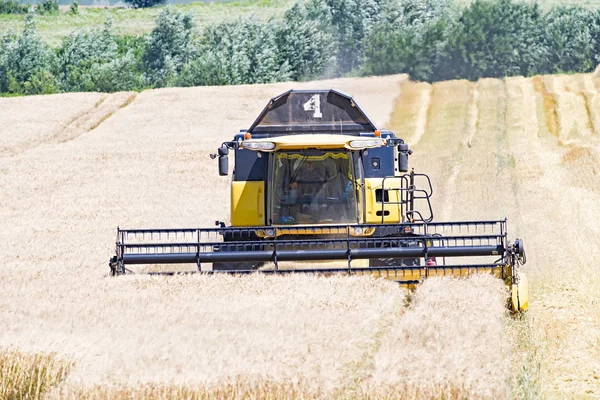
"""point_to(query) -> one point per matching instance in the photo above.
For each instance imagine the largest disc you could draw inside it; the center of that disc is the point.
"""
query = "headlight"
(358, 231)
(265, 146)
(365, 143)
(271, 232)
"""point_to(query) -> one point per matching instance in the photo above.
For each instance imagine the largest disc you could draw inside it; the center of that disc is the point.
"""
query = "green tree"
(352, 21)
(169, 47)
(496, 39)
(120, 74)
(569, 33)
(13, 7)
(47, 7)
(418, 51)
(8, 42)
(306, 42)
(27, 62)
(80, 53)
(74, 7)
(239, 52)
(412, 39)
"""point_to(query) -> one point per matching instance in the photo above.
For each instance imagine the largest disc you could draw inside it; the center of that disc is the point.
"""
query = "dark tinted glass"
(324, 111)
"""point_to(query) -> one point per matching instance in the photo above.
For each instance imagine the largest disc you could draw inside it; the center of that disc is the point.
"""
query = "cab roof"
(312, 111)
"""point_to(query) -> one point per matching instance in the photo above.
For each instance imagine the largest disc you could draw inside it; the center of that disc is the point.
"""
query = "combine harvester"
(314, 181)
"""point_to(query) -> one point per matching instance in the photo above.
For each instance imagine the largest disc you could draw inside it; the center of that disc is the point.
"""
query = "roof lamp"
(365, 144)
(264, 146)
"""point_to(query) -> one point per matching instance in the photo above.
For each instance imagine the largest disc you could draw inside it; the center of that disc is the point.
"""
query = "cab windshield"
(313, 188)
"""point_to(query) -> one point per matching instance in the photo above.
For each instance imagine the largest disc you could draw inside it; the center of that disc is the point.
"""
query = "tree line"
(43, 7)
(431, 40)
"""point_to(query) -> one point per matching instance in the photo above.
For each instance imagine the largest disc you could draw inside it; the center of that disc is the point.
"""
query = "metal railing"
(407, 193)
(402, 241)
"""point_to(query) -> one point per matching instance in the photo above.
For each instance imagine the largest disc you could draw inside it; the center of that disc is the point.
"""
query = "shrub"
(205, 70)
(41, 82)
(169, 46)
(132, 43)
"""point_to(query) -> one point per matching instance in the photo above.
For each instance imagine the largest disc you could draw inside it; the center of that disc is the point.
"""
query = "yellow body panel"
(279, 230)
(318, 141)
(247, 203)
(520, 294)
(393, 211)
(408, 276)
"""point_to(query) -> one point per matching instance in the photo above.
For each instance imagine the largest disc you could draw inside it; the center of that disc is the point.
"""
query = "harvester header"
(316, 181)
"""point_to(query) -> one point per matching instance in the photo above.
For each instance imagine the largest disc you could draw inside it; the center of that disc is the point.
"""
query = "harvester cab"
(314, 157)
(315, 180)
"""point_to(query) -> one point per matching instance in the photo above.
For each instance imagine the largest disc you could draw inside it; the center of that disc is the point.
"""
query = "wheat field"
(74, 166)
(527, 149)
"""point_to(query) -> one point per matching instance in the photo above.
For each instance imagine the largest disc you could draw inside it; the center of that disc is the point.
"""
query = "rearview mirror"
(403, 153)
(223, 165)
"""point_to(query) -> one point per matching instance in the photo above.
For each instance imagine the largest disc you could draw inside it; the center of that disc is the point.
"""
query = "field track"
(74, 166)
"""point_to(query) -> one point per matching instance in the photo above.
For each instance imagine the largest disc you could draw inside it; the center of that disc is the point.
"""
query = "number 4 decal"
(314, 104)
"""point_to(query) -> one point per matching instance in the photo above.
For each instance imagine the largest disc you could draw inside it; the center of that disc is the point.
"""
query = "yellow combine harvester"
(315, 180)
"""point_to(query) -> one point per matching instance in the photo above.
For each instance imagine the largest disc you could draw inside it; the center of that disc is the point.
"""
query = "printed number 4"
(314, 104)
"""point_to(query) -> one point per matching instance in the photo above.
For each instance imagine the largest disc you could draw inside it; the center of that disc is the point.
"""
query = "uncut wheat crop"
(74, 166)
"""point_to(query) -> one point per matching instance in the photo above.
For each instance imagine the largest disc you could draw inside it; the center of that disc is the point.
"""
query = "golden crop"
(74, 166)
